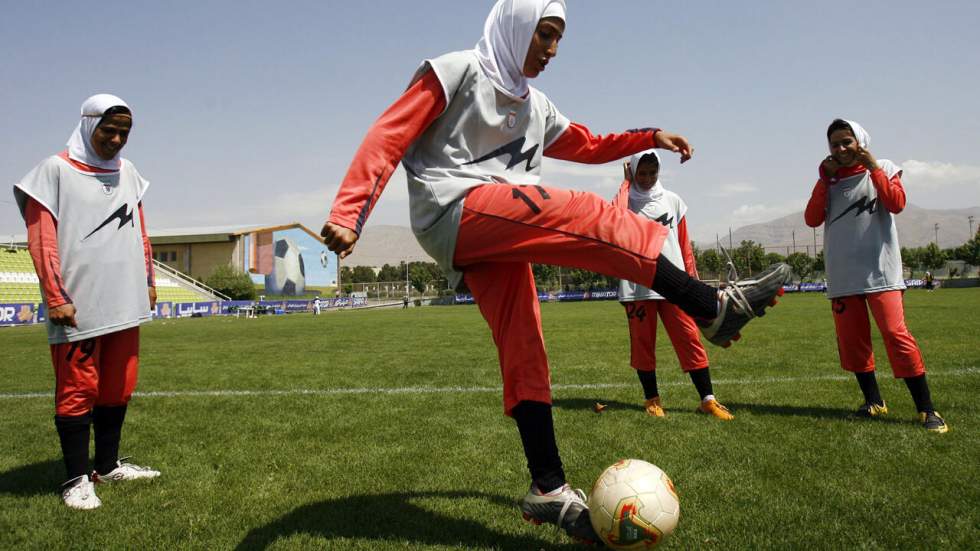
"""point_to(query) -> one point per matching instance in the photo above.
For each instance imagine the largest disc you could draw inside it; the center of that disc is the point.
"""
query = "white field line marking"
(960, 372)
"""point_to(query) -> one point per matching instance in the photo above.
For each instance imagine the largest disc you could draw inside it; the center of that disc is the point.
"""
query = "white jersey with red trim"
(861, 250)
(482, 137)
(668, 209)
(100, 244)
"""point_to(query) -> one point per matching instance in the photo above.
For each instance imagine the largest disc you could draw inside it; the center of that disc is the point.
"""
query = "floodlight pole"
(936, 227)
(970, 218)
(340, 289)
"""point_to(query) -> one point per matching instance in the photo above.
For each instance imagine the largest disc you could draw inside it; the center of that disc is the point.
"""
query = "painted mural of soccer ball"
(288, 276)
(633, 505)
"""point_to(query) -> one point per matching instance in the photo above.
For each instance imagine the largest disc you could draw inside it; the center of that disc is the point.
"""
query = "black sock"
(649, 381)
(108, 422)
(538, 436)
(689, 294)
(73, 431)
(869, 386)
(920, 393)
(702, 381)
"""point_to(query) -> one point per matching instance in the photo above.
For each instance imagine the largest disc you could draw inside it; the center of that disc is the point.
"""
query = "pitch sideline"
(957, 372)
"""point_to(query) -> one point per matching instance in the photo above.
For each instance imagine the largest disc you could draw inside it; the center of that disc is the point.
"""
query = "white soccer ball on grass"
(633, 505)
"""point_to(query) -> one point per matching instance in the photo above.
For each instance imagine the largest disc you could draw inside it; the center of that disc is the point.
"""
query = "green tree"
(802, 265)
(346, 275)
(362, 274)
(969, 252)
(912, 259)
(774, 258)
(545, 276)
(932, 257)
(818, 263)
(710, 262)
(231, 281)
(749, 258)
(391, 273)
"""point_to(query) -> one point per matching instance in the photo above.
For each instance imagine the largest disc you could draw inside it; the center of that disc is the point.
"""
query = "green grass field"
(384, 430)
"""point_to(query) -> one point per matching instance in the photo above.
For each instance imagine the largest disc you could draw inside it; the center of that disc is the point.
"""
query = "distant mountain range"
(916, 228)
(381, 245)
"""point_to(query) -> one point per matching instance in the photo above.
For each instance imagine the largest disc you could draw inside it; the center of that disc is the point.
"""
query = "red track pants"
(683, 332)
(506, 227)
(854, 333)
(100, 371)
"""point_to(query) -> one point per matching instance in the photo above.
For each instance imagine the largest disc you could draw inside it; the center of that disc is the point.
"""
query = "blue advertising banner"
(18, 314)
(197, 309)
(465, 299)
(292, 306)
(566, 296)
(603, 294)
(164, 310)
(806, 287)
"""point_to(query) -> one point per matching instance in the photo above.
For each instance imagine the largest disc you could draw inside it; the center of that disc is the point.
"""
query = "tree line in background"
(749, 258)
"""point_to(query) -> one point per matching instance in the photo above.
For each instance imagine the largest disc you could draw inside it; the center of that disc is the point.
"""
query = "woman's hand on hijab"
(339, 239)
(867, 159)
(627, 174)
(675, 143)
(829, 168)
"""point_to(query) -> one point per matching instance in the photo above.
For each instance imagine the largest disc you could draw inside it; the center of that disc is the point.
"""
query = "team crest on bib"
(512, 119)
(107, 189)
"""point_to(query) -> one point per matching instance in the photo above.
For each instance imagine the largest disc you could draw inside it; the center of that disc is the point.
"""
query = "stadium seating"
(19, 282)
(170, 291)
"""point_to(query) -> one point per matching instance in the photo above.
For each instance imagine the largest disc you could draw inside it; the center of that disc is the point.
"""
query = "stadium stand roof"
(204, 234)
(200, 234)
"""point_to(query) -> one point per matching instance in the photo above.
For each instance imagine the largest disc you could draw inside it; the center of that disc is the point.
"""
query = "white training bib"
(667, 209)
(100, 244)
(861, 250)
(482, 137)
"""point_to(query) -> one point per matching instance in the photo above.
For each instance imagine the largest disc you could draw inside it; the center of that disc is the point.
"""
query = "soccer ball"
(288, 276)
(633, 505)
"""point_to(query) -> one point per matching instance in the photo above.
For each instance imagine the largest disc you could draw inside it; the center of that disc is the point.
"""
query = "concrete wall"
(205, 257)
(198, 260)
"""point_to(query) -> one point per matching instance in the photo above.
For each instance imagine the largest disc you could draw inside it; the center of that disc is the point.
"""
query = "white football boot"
(126, 471)
(79, 493)
(564, 507)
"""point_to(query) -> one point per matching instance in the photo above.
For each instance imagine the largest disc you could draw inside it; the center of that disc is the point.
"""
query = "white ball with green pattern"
(633, 505)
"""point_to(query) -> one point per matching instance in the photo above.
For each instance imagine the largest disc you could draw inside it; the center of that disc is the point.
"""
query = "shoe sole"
(772, 303)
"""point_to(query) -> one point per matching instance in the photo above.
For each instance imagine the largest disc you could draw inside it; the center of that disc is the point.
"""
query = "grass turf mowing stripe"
(966, 371)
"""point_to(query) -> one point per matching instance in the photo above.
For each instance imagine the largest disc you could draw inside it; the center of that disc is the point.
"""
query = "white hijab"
(655, 191)
(860, 134)
(80, 143)
(507, 35)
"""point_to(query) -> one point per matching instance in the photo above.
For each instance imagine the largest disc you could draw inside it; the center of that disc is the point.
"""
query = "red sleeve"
(577, 144)
(891, 194)
(151, 280)
(816, 208)
(690, 263)
(383, 147)
(42, 242)
(622, 198)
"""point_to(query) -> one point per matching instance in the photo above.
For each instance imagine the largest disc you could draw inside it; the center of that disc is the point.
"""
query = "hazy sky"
(249, 112)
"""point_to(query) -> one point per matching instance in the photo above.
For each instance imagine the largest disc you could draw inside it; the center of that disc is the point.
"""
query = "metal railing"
(189, 281)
